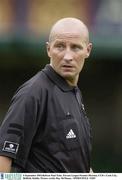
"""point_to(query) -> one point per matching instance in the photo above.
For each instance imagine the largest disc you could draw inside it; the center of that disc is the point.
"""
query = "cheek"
(80, 64)
(56, 56)
(56, 59)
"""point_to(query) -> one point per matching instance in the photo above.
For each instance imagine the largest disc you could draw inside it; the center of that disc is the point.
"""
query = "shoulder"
(36, 87)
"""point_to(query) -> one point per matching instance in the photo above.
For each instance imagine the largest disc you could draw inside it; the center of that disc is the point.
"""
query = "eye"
(76, 47)
(60, 46)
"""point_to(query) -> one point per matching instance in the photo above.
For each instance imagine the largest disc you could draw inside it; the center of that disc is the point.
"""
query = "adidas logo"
(70, 134)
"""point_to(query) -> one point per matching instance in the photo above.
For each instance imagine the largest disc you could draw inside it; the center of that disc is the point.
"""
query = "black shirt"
(46, 128)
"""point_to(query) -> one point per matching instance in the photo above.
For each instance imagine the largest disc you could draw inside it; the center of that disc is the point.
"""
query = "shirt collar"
(57, 79)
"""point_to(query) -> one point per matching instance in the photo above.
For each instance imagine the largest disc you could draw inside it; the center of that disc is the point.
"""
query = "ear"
(89, 48)
(48, 48)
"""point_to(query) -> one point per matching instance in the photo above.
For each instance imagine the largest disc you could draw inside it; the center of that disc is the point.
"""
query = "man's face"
(67, 53)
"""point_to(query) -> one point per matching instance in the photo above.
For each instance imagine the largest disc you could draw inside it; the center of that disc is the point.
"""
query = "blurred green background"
(24, 28)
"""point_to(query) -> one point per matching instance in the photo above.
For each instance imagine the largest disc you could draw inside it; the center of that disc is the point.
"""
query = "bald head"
(69, 25)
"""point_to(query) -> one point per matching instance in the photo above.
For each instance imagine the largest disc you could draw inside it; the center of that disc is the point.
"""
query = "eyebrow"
(59, 41)
(72, 43)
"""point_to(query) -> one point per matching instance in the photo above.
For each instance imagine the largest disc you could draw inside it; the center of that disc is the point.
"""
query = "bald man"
(46, 129)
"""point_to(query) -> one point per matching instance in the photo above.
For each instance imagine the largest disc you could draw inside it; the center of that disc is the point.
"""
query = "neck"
(72, 82)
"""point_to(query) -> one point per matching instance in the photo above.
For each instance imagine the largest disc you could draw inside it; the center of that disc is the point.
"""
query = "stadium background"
(24, 27)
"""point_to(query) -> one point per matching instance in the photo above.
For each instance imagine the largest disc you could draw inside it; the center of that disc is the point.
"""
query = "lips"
(67, 66)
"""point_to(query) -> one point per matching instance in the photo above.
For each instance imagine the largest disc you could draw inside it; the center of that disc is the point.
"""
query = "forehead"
(68, 37)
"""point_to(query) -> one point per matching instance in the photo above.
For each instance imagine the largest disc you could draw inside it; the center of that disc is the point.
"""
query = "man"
(46, 128)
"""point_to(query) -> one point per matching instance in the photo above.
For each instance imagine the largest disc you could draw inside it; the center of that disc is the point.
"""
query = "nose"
(68, 55)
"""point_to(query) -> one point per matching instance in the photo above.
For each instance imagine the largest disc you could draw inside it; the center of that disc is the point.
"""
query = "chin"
(67, 76)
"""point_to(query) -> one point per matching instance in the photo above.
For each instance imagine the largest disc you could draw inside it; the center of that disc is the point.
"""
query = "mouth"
(67, 66)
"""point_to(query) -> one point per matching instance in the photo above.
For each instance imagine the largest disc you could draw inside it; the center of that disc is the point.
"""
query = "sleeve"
(19, 127)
